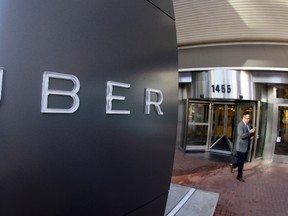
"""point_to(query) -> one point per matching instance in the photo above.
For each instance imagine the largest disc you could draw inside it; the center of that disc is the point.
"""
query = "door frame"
(209, 143)
(186, 126)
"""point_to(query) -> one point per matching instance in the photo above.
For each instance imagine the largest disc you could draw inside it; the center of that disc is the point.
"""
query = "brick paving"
(263, 194)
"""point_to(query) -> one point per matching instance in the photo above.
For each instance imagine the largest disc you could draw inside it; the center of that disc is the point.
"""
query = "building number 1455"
(221, 88)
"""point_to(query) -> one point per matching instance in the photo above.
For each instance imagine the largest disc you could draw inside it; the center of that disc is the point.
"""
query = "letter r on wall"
(156, 104)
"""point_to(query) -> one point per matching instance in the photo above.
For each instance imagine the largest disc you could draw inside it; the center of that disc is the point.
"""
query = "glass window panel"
(197, 134)
(198, 113)
(282, 92)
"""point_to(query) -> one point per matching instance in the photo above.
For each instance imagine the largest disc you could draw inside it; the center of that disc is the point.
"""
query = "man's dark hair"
(245, 113)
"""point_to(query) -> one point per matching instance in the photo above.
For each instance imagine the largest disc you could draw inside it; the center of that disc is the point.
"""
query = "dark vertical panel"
(165, 6)
(85, 163)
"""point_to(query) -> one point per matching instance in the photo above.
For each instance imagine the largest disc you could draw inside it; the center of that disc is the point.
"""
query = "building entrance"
(212, 126)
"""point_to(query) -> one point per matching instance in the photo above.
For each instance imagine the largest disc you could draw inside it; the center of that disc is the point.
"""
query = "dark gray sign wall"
(87, 162)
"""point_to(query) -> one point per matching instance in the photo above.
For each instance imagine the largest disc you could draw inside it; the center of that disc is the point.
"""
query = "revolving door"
(222, 130)
(212, 126)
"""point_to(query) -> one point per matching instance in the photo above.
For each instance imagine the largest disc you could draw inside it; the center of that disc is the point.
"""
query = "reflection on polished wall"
(223, 84)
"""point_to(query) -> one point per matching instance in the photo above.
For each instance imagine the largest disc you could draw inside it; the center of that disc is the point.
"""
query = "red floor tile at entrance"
(263, 194)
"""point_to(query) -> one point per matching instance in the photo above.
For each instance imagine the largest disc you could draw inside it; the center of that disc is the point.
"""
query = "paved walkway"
(265, 192)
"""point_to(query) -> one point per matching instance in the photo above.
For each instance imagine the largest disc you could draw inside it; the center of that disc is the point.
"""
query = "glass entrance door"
(281, 147)
(223, 124)
(197, 126)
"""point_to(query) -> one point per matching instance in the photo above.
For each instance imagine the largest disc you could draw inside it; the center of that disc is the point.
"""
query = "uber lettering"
(110, 97)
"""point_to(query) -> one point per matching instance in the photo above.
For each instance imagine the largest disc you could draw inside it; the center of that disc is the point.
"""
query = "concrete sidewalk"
(264, 192)
(184, 201)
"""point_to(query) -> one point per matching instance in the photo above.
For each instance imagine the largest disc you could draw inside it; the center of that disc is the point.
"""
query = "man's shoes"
(231, 167)
(240, 179)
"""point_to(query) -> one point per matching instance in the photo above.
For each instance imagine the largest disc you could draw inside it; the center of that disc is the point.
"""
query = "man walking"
(242, 145)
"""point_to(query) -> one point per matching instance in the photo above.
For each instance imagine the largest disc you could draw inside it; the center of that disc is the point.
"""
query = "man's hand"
(253, 130)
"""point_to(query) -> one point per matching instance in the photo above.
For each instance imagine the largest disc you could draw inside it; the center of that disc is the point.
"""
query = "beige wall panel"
(240, 56)
(217, 21)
